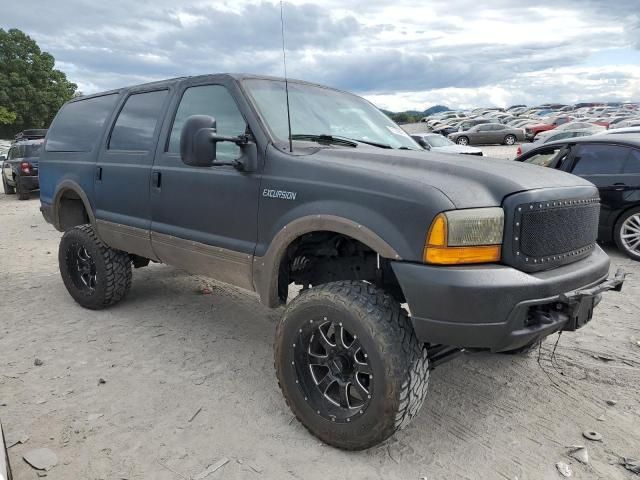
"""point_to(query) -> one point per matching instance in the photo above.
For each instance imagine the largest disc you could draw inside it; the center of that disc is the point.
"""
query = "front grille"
(552, 233)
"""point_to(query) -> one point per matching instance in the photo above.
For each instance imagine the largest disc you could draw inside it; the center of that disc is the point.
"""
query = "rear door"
(605, 166)
(123, 170)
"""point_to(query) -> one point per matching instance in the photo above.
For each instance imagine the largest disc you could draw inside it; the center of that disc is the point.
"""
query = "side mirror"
(198, 141)
(424, 144)
(197, 147)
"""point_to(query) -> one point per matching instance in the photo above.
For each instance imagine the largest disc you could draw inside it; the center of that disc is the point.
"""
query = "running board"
(439, 354)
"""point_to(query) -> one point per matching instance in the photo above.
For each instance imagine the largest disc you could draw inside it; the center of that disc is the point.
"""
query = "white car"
(437, 143)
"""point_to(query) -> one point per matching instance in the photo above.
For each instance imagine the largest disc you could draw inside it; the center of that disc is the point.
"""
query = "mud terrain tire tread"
(113, 269)
(407, 365)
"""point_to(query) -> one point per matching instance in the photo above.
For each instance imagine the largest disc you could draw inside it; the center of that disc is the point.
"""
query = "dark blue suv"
(263, 183)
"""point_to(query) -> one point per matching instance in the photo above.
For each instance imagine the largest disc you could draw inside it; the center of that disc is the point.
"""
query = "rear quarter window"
(78, 125)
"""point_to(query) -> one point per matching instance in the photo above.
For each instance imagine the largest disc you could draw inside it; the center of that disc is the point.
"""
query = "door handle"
(619, 187)
(99, 173)
(156, 178)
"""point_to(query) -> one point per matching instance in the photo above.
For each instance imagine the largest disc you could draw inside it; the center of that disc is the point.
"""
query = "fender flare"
(266, 268)
(63, 187)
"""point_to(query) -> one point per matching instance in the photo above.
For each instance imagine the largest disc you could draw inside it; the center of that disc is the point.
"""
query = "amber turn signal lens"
(461, 255)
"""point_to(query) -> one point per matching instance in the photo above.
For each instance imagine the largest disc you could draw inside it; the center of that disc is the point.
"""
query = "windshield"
(438, 141)
(322, 111)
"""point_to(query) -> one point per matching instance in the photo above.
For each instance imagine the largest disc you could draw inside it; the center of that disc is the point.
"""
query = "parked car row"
(533, 123)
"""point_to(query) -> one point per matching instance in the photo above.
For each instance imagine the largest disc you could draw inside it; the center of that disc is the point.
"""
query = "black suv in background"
(20, 169)
(611, 163)
(203, 173)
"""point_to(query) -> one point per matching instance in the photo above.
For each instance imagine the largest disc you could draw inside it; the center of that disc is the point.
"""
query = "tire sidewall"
(617, 234)
(364, 430)
(93, 300)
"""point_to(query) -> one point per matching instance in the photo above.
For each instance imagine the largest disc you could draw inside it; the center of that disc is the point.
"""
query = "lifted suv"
(20, 169)
(201, 173)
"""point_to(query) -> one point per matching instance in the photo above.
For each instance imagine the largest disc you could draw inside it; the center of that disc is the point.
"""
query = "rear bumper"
(29, 182)
(498, 307)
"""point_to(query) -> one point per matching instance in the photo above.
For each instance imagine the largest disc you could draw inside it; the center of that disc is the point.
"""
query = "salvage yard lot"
(189, 380)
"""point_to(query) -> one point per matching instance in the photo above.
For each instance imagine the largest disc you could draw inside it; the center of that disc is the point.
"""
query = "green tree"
(31, 89)
(6, 117)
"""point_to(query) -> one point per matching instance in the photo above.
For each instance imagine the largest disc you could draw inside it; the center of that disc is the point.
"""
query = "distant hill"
(412, 116)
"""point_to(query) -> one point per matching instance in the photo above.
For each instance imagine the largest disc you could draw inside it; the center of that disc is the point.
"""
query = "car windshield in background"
(32, 150)
(322, 111)
(438, 141)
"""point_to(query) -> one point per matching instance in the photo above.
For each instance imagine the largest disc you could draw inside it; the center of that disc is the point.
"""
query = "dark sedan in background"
(488, 133)
(611, 163)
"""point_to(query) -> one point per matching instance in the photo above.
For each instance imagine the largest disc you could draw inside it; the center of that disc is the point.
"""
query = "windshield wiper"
(369, 142)
(324, 139)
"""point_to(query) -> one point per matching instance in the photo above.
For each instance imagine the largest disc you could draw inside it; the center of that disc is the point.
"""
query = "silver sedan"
(488, 133)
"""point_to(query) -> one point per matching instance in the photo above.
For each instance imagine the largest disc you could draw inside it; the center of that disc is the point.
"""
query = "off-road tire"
(8, 189)
(524, 350)
(617, 234)
(6, 454)
(22, 193)
(398, 361)
(112, 269)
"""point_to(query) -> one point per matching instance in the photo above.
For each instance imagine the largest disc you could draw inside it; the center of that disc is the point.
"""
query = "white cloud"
(405, 54)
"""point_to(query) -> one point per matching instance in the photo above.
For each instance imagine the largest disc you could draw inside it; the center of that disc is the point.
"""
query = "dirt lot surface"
(189, 380)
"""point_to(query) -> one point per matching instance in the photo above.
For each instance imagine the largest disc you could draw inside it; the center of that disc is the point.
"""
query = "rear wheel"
(462, 141)
(627, 233)
(510, 140)
(95, 275)
(349, 364)
(8, 189)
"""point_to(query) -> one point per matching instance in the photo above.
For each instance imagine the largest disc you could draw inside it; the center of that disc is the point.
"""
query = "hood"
(455, 149)
(468, 181)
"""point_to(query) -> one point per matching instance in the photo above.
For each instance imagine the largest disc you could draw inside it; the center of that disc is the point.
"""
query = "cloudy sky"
(399, 54)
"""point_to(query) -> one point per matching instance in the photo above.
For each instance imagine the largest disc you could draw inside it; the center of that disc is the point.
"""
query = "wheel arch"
(266, 268)
(62, 217)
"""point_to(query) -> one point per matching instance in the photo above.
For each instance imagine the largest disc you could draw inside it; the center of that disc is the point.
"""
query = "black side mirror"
(198, 141)
(197, 147)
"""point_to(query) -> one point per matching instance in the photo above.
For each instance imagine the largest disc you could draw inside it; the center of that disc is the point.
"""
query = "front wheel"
(627, 233)
(349, 364)
(95, 275)
(510, 140)
(462, 141)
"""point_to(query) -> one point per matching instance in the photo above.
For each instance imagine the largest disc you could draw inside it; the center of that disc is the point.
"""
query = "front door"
(123, 206)
(204, 219)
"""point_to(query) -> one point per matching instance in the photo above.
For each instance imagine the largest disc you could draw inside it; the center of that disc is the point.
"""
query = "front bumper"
(500, 308)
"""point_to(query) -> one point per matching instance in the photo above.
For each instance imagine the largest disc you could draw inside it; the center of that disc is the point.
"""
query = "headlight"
(465, 236)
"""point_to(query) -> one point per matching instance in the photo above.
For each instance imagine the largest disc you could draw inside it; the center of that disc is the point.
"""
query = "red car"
(532, 130)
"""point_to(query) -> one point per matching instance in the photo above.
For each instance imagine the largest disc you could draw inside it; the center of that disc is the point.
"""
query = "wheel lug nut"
(348, 419)
(318, 412)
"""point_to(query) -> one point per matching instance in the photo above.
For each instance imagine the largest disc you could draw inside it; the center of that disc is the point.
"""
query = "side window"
(78, 126)
(633, 162)
(483, 128)
(12, 153)
(137, 122)
(544, 158)
(600, 160)
(217, 102)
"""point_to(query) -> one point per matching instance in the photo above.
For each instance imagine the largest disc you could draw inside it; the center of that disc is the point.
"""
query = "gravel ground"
(189, 381)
